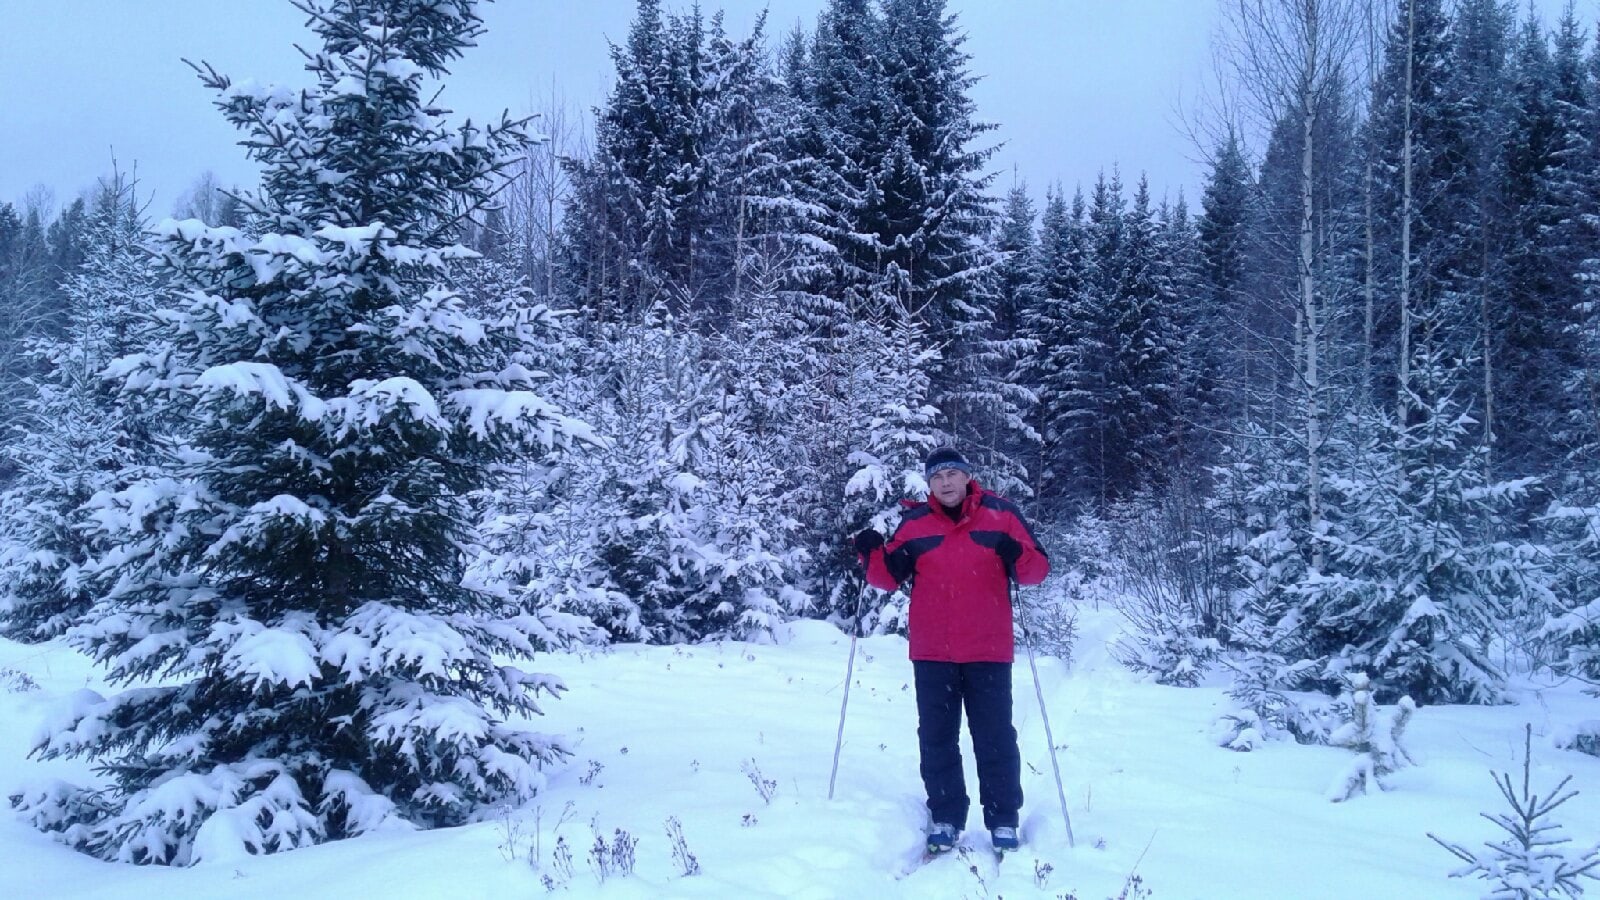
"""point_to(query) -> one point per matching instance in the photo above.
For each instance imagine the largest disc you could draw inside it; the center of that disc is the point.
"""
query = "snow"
(371, 402)
(246, 378)
(378, 637)
(271, 656)
(487, 408)
(699, 733)
(357, 240)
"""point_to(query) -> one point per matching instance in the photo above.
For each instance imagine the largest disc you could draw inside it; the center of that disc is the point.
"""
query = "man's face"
(949, 486)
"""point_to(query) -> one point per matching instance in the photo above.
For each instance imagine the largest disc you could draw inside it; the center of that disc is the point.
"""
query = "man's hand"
(868, 540)
(1009, 551)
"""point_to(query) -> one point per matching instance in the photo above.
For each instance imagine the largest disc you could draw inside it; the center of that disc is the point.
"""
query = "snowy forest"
(316, 467)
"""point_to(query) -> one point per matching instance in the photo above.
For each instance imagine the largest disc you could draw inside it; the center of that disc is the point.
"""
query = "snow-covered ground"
(734, 743)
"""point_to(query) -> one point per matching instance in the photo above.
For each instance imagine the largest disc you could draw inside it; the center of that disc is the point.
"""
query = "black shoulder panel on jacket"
(990, 539)
(1001, 504)
(912, 515)
(995, 501)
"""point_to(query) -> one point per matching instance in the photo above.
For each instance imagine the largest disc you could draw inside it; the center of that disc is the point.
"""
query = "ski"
(970, 854)
(929, 853)
(922, 858)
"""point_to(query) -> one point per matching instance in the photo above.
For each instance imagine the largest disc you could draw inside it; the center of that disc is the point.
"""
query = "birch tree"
(1291, 58)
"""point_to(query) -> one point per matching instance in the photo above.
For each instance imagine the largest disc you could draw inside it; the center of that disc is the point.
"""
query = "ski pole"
(849, 675)
(1050, 741)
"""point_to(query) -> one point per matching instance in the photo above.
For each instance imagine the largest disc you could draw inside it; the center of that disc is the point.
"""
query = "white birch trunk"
(1308, 283)
(1405, 226)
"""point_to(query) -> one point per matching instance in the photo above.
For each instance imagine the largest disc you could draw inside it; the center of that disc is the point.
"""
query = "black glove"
(901, 563)
(1009, 552)
(868, 540)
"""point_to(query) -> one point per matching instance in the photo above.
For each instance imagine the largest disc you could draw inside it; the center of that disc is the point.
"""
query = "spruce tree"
(1530, 338)
(1481, 87)
(1574, 516)
(1419, 580)
(1017, 275)
(295, 574)
(911, 214)
(685, 174)
(892, 428)
(27, 309)
(534, 551)
(65, 238)
(76, 436)
(1224, 245)
(1121, 412)
(938, 212)
(1143, 392)
(1059, 335)
(691, 500)
(854, 118)
(1018, 282)
(1097, 440)
(1198, 355)
(649, 386)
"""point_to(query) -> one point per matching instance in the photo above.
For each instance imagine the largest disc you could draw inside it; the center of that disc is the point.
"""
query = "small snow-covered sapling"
(1379, 751)
(1530, 861)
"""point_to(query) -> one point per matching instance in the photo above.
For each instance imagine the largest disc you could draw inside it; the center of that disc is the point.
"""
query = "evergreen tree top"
(362, 146)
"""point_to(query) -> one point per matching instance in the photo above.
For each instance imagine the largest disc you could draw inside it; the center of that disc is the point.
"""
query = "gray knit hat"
(944, 458)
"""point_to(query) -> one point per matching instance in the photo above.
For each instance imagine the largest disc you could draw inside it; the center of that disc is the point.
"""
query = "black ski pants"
(984, 688)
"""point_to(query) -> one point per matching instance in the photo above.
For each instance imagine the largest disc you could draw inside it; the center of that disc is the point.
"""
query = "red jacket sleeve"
(878, 574)
(1033, 565)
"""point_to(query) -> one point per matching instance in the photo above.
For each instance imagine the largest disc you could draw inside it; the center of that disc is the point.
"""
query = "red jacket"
(960, 599)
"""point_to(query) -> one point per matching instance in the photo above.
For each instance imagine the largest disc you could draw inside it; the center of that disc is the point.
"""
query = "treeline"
(782, 271)
(1348, 396)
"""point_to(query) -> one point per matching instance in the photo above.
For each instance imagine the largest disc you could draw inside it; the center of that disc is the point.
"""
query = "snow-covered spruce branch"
(1264, 709)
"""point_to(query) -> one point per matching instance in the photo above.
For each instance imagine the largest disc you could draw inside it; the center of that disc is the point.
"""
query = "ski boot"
(942, 838)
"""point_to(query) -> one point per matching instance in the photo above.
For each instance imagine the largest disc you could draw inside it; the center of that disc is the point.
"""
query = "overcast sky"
(1075, 85)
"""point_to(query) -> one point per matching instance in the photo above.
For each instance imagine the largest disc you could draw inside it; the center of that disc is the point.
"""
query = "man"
(960, 549)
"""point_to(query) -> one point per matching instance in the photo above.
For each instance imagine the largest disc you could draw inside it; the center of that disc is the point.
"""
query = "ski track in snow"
(688, 733)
